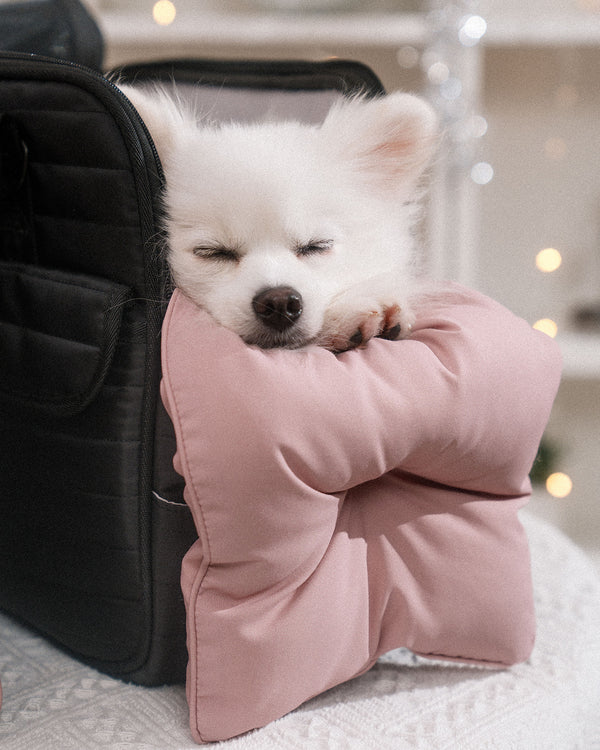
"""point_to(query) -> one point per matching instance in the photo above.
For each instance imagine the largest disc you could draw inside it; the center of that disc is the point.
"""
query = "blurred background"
(515, 201)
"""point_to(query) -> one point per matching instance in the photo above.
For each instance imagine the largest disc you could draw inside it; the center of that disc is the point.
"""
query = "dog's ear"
(162, 114)
(392, 138)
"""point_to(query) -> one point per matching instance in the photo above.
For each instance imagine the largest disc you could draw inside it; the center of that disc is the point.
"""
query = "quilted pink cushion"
(347, 505)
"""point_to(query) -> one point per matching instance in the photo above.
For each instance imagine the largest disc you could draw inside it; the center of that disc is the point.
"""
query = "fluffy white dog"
(288, 233)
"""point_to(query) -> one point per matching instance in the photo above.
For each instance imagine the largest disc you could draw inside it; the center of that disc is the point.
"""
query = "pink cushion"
(348, 505)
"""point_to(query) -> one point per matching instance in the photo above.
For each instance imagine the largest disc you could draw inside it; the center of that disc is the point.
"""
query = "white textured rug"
(52, 702)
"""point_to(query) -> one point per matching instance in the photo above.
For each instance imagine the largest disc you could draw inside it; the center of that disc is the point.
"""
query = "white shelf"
(575, 29)
(581, 355)
(124, 29)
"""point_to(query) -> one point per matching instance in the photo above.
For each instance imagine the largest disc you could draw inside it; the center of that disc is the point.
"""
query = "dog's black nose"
(278, 308)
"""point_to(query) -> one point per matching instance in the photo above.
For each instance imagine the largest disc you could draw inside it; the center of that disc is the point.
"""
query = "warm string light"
(548, 260)
(163, 12)
(449, 85)
(559, 485)
(547, 326)
(566, 96)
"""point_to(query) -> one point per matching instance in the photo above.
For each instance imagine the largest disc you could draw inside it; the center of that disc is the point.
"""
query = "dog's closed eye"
(216, 252)
(313, 247)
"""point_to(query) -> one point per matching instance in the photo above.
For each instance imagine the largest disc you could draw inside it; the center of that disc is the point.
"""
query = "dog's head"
(269, 224)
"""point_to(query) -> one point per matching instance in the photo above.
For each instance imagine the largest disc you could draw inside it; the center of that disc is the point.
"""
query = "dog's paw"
(346, 329)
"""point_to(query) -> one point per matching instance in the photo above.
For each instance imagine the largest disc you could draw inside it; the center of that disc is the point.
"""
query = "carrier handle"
(17, 235)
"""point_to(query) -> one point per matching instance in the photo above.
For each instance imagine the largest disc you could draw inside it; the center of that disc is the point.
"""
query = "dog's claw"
(388, 322)
(391, 334)
(357, 338)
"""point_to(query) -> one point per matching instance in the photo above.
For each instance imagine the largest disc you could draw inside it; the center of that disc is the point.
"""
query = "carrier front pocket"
(58, 334)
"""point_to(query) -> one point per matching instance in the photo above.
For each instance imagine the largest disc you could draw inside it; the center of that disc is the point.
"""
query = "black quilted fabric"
(80, 312)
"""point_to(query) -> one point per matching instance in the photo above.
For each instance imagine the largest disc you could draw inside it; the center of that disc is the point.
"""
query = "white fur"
(263, 191)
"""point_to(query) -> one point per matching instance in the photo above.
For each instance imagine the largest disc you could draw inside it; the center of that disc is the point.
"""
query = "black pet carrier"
(94, 526)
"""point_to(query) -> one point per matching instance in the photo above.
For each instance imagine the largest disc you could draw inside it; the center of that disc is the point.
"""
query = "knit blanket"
(552, 701)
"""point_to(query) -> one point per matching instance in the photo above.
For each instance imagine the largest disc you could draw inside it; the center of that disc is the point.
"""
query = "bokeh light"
(547, 326)
(163, 12)
(482, 173)
(548, 260)
(559, 485)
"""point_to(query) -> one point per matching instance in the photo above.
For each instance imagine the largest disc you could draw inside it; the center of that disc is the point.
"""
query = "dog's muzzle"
(278, 308)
